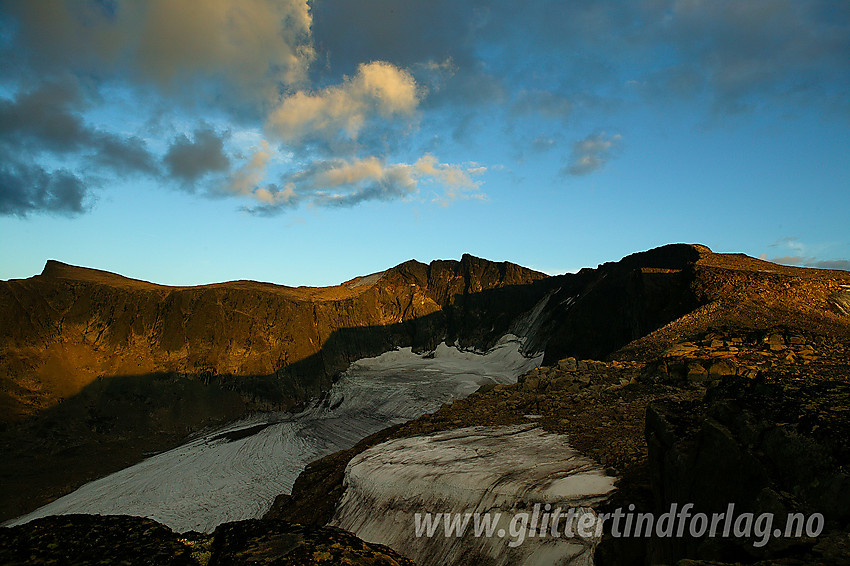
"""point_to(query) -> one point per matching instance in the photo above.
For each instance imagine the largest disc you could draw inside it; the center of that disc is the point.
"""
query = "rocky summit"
(687, 375)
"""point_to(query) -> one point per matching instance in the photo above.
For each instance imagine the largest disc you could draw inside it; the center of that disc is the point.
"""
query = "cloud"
(377, 90)
(248, 178)
(728, 55)
(253, 45)
(805, 255)
(340, 83)
(592, 153)
(127, 155)
(341, 183)
(49, 119)
(843, 264)
(190, 160)
(785, 49)
(542, 143)
(402, 33)
(26, 189)
(790, 242)
(547, 104)
(47, 150)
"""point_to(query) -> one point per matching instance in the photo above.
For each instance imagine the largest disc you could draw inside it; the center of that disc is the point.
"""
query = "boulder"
(721, 368)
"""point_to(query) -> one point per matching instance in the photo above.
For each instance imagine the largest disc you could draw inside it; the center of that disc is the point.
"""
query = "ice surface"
(471, 470)
(216, 478)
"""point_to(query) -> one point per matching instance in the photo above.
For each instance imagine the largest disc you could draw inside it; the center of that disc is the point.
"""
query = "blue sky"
(305, 143)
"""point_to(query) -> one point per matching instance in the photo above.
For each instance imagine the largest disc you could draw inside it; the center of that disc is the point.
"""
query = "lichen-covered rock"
(72, 540)
(105, 540)
(274, 542)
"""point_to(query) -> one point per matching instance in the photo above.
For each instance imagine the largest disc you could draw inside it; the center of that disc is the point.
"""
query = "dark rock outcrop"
(756, 323)
(597, 311)
(77, 540)
(772, 446)
(74, 540)
(281, 543)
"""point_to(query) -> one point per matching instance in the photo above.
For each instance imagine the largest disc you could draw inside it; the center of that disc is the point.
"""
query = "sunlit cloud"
(378, 90)
(341, 183)
(251, 44)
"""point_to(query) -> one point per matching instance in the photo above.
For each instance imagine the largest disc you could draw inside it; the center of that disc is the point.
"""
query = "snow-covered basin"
(514, 474)
(228, 475)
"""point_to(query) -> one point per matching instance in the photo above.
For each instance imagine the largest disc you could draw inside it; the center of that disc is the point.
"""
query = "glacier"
(516, 472)
(236, 471)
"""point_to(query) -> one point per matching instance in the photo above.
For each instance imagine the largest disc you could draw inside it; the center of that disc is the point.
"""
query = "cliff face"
(597, 311)
(140, 365)
(266, 346)
(274, 345)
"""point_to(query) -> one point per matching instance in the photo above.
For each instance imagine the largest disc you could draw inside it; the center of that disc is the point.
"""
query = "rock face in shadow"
(140, 366)
(775, 329)
(276, 346)
(281, 543)
(235, 473)
(779, 447)
(598, 311)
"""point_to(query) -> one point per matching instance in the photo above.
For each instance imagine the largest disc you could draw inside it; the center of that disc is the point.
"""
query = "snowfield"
(223, 477)
(502, 470)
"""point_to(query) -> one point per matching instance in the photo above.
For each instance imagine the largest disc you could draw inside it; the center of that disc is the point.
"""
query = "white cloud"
(378, 89)
(342, 182)
(247, 178)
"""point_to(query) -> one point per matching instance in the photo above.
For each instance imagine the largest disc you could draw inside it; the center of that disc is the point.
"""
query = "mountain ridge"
(144, 365)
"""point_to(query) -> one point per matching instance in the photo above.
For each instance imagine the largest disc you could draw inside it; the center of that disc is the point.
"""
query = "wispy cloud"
(350, 82)
(341, 183)
(29, 188)
(813, 262)
(592, 153)
(804, 255)
(42, 128)
(253, 45)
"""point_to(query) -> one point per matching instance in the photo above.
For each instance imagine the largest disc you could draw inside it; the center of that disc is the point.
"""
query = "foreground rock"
(91, 539)
(770, 445)
(77, 540)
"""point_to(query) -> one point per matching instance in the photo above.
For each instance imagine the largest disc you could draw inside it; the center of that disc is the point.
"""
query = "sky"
(309, 142)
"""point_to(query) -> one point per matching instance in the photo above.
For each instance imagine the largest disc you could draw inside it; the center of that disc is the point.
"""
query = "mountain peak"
(60, 270)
